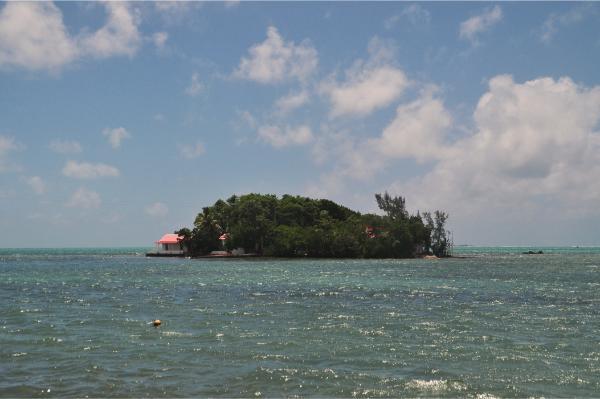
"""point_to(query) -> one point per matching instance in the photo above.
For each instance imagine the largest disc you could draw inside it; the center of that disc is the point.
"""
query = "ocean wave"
(175, 334)
(371, 393)
(373, 333)
(435, 386)
(485, 396)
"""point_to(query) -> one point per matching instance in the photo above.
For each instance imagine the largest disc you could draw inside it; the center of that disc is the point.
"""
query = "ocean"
(496, 323)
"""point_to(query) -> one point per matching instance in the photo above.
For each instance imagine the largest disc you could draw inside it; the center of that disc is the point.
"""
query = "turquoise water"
(496, 323)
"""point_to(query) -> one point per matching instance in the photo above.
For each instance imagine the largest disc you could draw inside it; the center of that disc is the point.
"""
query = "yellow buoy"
(156, 323)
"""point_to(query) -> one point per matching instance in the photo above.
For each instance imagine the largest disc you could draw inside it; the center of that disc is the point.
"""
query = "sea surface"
(496, 323)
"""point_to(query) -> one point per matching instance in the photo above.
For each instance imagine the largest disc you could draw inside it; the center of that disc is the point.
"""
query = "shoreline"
(265, 257)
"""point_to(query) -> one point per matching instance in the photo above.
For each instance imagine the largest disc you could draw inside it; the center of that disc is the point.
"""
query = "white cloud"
(284, 137)
(536, 147)
(557, 20)
(37, 184)
(331, 144)
(33, 36)
(176, 12)
(231, 3)
(275, 60)
(192, 151)
(529, 164)
(368, 86)
(169, 6)
(7, 144)
(248, 119)
(84, 198)
(116, 135)
(195, 86)
(417, 131)
(157, 209)
(365, 91)
(292, 101)
(160, 39)
(473, 26)
(119, 36)
(414, 13)
(329, 185)
(85, 170)
(65, 146)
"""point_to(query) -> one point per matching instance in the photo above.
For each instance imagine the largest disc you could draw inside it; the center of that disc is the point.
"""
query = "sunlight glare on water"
(493, 324)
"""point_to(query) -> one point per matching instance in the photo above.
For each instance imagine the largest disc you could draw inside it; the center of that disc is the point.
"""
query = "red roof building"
(170, 245)
(170, 239)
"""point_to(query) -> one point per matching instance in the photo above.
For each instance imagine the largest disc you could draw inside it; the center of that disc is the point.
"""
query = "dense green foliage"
(298, 226)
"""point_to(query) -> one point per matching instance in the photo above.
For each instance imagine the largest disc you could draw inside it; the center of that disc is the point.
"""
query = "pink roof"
(170, 239)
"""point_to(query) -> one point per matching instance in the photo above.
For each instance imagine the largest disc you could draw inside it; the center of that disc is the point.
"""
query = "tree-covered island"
(293, 226)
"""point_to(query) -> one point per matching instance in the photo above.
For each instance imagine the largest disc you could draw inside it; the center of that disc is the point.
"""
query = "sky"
(120, 121)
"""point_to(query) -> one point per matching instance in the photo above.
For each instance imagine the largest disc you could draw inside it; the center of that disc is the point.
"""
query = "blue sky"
(119, 122)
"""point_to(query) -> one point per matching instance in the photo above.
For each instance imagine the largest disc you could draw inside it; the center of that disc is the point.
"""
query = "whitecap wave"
(435, 386)
(175, 334)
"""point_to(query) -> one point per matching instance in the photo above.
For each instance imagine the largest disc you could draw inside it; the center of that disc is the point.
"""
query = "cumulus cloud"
(191, 151)
(84, 198)
(417, 131)
(86, 170)
(328, 186)
(157, 209)
(195, 86)
(37, 184)
(414, 13)
(119, 36)
(283, 137)
(176, 12)
(535, 143)
(368, 86)
(292, 101)
(275, 60)
(478, 24)
(65, 146)
(365, 91)
(33, 36)
(231, 3)
(533, 153)
(248, 119)
(160, 39)
(555, 21)
(116, 135)
(7, 144)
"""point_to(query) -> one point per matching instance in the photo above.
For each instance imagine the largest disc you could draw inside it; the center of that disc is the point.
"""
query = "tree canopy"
(293, 226)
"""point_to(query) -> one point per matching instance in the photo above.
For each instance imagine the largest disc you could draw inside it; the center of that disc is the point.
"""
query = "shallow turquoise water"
(497, 323)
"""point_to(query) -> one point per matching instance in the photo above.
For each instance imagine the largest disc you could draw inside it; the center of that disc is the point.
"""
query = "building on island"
(169, 245)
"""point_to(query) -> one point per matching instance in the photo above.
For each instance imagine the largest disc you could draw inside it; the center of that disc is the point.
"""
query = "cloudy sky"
(119, 122)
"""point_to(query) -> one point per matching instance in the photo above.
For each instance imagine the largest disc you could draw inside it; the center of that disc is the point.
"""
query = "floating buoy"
(156, 323)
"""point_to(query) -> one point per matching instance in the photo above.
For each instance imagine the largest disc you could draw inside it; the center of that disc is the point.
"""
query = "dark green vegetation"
(298, 226)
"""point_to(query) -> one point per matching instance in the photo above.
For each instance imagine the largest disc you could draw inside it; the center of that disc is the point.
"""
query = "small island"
(295, 226)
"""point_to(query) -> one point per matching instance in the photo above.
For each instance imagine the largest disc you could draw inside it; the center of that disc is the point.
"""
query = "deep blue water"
(497, 323)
